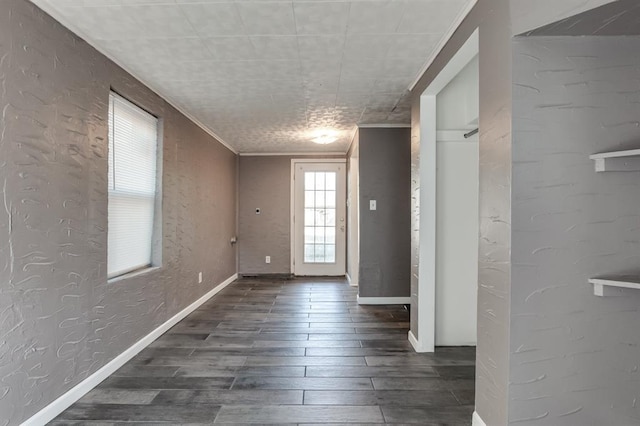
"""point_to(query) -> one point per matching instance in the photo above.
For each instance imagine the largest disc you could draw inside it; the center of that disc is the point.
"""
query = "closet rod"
(471, 133)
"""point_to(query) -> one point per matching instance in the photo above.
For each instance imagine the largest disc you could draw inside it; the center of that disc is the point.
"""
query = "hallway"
(285, 352)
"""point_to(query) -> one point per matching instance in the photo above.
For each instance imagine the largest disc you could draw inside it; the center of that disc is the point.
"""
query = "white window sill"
(133, 274)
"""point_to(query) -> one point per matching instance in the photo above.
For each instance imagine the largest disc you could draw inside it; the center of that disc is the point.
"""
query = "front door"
(319, 218)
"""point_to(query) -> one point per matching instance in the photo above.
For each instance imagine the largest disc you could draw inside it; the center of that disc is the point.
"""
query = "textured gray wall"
(60, 319)
(265, 183)
(385, 245)
(574, 356)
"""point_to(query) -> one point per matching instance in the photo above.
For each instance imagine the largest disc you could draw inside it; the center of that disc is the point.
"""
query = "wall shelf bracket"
(609, 286)
(617, 161)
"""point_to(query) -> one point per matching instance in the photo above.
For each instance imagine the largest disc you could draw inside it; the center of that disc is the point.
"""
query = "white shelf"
(601, 285)
(617, 161)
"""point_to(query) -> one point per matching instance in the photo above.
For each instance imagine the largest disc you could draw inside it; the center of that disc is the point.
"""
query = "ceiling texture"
(267, 76)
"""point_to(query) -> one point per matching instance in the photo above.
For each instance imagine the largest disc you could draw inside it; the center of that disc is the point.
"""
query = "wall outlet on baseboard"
(199, 277)
(267, 259)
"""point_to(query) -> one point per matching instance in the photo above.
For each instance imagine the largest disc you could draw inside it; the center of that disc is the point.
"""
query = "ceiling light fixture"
(323, 136)
(324, 139)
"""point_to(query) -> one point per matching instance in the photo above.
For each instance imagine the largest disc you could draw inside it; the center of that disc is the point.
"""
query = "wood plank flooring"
(294, 352)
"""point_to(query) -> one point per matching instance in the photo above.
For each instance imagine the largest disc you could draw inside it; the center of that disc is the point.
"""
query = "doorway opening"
(449, 217)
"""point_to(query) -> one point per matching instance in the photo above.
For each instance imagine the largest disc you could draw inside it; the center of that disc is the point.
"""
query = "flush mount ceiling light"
(324, 139)
(324, 136)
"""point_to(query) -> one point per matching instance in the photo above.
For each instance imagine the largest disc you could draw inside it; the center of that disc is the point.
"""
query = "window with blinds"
(133, 145)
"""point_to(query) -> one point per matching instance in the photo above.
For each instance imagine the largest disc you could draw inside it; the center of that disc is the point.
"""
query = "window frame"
(155, 262)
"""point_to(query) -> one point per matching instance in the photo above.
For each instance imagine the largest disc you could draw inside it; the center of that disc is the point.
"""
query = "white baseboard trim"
(49, 412)
(383, 300)
(476, 420)
(417, 346)
(350, 281)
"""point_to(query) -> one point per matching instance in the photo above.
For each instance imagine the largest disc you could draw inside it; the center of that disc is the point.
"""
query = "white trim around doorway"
(292, 207)
(425, 339)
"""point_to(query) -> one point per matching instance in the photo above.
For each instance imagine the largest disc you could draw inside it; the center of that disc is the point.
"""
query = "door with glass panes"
(319, 218)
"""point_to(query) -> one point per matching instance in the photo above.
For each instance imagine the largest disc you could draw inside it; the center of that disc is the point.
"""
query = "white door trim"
(425, 340)
(292, 206)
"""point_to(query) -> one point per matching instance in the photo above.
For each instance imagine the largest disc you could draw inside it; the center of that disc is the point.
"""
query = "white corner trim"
(443, 42)
(49, 412)
(414, 342)
(53, 12)
(417, 346)
(351, 283)
(476, 420)
(383, 300)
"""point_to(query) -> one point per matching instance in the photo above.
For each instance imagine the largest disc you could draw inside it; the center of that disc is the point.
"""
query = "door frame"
(426, 338)
(292, 210)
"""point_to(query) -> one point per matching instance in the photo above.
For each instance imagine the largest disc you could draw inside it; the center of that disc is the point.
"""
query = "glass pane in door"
(319, 217)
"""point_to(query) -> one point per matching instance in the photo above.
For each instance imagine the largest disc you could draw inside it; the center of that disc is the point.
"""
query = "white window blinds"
(133, 142)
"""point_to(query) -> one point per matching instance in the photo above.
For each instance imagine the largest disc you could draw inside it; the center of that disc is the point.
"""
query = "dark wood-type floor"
(286, 353)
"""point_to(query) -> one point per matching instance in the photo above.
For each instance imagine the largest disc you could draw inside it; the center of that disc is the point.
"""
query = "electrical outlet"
(267, 259)
(373, 205)
(199, 277)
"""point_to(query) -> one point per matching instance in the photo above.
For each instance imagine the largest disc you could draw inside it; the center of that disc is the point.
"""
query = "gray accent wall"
(265, 183)
(574, 356)
(385, 246)
(60, 318)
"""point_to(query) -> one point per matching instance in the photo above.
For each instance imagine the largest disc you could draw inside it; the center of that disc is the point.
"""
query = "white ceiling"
(264, 74)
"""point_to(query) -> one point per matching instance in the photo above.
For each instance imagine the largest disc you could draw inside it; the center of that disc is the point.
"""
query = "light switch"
(372, 205)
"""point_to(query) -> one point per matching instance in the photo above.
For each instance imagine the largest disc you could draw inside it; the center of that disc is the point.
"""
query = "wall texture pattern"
(265, 183)
(60, 320)
(574, 356)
